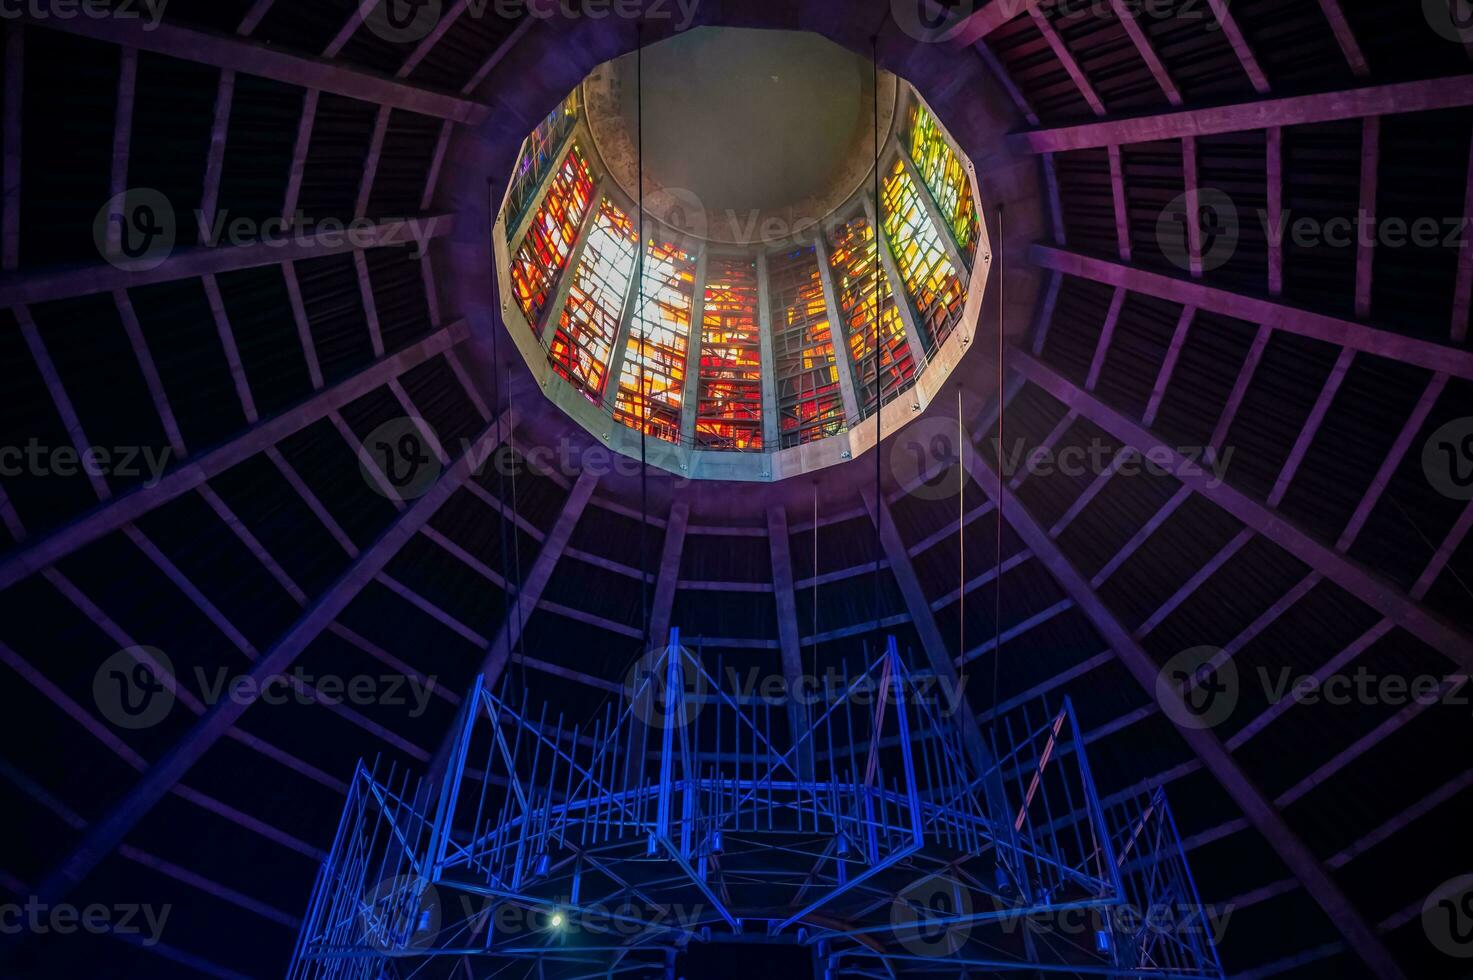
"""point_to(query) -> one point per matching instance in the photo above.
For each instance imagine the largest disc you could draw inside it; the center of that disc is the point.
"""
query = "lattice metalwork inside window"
(538, 155)
(857, 279)
(589, 324)
(747, 345)
(729, 406)
(652, 382)
(809, 399)
(945, 177)
(931, 281)
(544, 252)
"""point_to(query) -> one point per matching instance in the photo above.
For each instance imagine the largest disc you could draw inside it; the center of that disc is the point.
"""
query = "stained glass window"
(658, 342)
(539, 261)
(589, 323)
(810, 404)
(538, 154)
(857, 280)
(729, 409)
(700, 353)
(930, 279)
(944, 176)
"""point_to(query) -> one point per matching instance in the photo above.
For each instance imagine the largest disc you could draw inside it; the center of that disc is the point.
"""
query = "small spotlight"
(557, 920)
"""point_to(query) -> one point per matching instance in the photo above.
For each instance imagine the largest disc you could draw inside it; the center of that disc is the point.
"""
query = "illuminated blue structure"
(688, 816)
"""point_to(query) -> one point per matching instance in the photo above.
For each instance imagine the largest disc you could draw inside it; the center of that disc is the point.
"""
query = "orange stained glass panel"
(589, 324)
(931, 281)
(859, 283)
(543, 254)
(652, 382)
(729, 406)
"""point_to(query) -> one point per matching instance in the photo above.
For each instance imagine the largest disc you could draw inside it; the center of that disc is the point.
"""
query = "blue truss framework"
(690, 814)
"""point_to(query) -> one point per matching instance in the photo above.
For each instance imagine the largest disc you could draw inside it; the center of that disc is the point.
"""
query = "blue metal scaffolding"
(691, 814)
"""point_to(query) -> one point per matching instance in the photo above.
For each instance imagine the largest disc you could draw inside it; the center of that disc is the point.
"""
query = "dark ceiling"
(261, 371)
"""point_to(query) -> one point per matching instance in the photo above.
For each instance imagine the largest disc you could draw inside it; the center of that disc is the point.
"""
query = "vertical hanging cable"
(879, 392)
(516, 546)
(511, 594)
(814, 631)
(1002, 411)
(644, 415)
(500, 471)
(961, 536)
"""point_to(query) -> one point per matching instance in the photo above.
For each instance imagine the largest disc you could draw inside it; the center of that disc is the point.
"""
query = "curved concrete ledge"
(555, 55)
